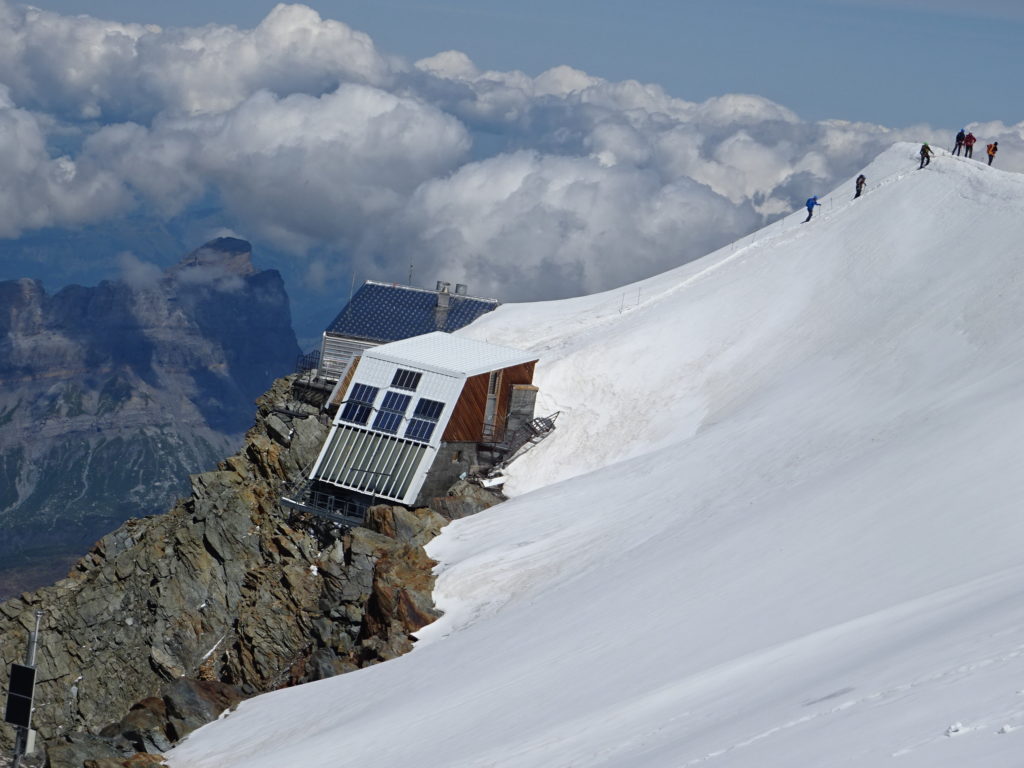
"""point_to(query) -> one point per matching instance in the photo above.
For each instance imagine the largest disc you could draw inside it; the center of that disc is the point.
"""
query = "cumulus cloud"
(39, 190)
(527, 225)
(79, 67)
(299, 170)
(310, 138)
(137, 273)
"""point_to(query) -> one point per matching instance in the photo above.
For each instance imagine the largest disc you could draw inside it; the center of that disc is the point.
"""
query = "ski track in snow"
(880, 697)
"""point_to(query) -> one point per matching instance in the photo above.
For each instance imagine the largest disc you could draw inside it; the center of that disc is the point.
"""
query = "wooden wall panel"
(343, 386)
(467, 422)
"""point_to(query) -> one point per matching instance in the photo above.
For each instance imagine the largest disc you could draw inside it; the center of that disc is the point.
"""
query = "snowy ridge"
(779, 523)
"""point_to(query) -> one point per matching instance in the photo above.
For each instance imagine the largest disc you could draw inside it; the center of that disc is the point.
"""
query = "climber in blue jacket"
(811, 202)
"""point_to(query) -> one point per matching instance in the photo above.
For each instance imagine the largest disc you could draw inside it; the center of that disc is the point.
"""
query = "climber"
(992, 149)
(861, 181)
(811, 202)
(959, 142)
(926, 155)
(969, 144)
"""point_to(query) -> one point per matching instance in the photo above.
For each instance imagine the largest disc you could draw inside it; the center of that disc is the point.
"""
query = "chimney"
(441, 309)
(460, 289)
(442, 286)
(521, 406)
(444, 298)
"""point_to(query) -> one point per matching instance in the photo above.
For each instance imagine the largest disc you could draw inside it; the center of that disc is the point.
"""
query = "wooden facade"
(342, 386)
(468, 419)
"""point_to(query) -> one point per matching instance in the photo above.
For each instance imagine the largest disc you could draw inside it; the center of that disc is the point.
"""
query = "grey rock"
(74, 749)
(226, 589)
(192, 704)
(322, 664)
(464, 499)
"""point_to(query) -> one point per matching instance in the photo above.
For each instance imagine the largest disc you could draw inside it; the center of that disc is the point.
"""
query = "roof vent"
(460, 289)
(442, 286)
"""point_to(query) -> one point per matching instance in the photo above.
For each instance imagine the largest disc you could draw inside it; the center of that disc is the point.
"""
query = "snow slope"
(779, 523)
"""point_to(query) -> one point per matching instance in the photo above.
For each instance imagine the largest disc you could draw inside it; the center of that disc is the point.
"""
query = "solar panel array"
(391, 312)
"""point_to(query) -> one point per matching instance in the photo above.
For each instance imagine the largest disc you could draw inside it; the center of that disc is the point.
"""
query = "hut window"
(359, 404)
(391, 412)
(424, 419)
(406, 380)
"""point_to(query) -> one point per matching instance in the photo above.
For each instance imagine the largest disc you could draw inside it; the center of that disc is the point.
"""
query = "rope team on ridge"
(964, 141)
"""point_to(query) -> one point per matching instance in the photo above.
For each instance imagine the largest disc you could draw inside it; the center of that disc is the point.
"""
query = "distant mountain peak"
(223, 255)
(229, 245)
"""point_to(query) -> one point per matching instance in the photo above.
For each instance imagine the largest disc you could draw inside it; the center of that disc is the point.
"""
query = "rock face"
(171, 618)
(110, 396)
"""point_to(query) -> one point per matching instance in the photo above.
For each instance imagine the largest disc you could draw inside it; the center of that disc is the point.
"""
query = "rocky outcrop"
(111, 395)
(172, 618)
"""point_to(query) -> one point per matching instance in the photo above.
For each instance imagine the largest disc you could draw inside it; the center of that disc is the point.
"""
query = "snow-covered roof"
(450, 355)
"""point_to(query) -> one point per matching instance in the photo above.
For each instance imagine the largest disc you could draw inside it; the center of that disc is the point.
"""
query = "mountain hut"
(418, 414)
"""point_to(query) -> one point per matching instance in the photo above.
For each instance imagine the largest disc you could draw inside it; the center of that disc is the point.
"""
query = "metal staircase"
(527, 436)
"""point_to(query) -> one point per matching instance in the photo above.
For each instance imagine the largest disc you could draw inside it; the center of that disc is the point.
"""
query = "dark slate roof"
(384, 312)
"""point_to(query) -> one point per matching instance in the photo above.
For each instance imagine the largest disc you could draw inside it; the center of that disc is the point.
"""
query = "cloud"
(137, 273)
(299, 170)
(81, 68)
(210, 276)
(309, 138)
(38, 190)
(527, 225)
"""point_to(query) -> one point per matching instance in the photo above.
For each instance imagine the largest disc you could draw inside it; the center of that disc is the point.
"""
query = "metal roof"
(385, 312)
(449, 355)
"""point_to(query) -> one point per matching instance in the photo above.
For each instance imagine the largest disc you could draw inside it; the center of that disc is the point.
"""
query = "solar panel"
(406, 379)
(393, 401)
(420, 430)
(359, 404)
(428, 409)
(19, 696)
(425, 416)
(392, 312)
(392, 411)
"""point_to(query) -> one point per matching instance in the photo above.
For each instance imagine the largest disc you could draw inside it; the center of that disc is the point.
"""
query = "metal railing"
(308, 497)
(308, 361)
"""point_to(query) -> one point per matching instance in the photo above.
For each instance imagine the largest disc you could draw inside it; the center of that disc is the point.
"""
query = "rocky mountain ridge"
(111, 395)
(173, 617)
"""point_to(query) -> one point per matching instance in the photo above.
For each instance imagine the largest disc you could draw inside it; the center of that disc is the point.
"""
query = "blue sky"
(895, 62)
